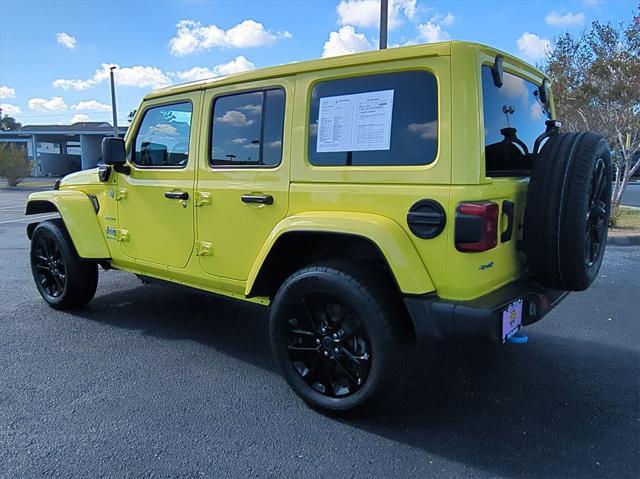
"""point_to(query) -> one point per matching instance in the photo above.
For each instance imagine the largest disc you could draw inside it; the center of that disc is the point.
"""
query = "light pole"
(384, 13)
(114, 110)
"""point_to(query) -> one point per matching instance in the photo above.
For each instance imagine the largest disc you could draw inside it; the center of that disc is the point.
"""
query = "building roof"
(84, 127)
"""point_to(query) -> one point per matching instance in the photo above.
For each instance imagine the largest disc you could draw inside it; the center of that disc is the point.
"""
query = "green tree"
(8, 123)
(14, 165)
(596, 87)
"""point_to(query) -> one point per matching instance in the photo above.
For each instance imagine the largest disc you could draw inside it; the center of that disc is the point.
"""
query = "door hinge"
(202, 198)
(121, 194)
(122, 235)
(204, 249)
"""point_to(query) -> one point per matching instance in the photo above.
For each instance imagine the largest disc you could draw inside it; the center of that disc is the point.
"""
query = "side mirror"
(113, 151)
(497, 72)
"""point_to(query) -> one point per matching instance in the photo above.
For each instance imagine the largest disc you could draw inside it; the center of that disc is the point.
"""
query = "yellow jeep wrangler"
(369, 200)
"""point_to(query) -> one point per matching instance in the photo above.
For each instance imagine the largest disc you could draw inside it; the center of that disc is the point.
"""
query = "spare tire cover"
(567, 210)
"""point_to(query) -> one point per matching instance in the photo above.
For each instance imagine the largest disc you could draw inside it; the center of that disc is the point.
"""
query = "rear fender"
(403, 260)
(79, 217)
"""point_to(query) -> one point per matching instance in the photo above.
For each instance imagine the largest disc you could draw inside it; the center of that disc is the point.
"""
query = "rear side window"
(374, 120)
(247, 129)
(163, 137)
(516, 104)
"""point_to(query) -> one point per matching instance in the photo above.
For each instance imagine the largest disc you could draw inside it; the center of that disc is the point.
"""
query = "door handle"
(261, 199)
(176, 195)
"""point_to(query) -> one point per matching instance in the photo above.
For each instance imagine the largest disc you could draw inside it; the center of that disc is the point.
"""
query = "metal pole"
(114, 110)
(384, 13)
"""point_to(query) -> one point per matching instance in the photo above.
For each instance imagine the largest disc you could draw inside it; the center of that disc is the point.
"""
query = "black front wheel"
(64, 280)
(336, 335)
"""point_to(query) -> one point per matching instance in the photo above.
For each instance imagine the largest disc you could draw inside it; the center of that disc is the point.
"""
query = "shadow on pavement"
(546, 409)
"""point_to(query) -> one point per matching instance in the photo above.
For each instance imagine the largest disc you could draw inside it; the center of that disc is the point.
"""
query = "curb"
(629, 240)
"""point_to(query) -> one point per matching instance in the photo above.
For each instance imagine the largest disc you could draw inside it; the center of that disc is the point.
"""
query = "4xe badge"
(111, 233)
(482, 267)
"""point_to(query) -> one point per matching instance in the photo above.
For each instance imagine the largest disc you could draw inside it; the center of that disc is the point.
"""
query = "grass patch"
(628, 219)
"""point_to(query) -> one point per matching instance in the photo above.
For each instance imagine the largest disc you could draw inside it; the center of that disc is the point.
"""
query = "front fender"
(79, 217)
(391, 239)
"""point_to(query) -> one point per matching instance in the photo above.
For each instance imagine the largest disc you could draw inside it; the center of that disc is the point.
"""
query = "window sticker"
(358, 122)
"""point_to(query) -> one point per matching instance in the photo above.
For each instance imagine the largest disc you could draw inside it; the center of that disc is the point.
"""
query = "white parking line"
(32, 218)
(12, 207)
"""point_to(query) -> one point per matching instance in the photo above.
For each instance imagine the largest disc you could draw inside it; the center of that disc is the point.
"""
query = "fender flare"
(394, 244)
(79, 217)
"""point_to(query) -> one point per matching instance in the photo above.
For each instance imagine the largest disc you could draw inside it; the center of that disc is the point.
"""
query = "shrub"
(13, 163)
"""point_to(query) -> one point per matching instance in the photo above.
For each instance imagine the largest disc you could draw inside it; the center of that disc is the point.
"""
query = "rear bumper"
(480, 318)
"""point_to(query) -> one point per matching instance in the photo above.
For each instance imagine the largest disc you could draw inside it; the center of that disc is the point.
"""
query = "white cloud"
(444, 20)
(251, 108)
(6, 92)
(79, 118)
(345, 41)
(366, 13)
(431, 32)
(138, 76)
(239, 141)
(238, 64)
(193, 36)
(55, 103)
(66, 40)
(234, 118)
(569, 19)
(9, 109)
(164, 129)
(91, 105)
(532, 46)
(426, 131)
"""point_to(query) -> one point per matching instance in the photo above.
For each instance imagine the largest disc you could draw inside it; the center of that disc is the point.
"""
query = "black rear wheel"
(337, 335)
(328, 345)
(64, 280)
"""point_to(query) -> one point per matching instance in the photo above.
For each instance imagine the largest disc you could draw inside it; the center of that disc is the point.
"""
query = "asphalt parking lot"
(149, 381)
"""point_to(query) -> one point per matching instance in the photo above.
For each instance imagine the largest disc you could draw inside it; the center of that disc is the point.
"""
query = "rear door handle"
(261, 199)
(176, 195)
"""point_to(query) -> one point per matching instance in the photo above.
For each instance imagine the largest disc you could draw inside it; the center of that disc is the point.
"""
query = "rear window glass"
(247, 129)
(374, 120)
(515, 104)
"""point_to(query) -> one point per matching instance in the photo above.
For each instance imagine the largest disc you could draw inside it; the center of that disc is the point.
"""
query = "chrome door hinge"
(122, 235)
(204, 249)
(121, 194)
(202, 198)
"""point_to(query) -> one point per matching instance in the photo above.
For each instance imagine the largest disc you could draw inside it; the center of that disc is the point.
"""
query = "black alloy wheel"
(64, 280)
(50, 269)
(597, 214)
(339, 335)
(328, 345)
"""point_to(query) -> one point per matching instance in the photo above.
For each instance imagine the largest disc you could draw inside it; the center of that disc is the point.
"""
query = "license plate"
(511, 319)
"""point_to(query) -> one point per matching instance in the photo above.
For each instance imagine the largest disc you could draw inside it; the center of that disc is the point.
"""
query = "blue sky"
(54, 55)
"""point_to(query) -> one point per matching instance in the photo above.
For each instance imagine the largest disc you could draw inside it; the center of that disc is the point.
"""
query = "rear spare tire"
(567, 211)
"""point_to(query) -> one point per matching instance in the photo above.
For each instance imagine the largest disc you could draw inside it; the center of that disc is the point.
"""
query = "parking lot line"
(31, 218)
(12, 207)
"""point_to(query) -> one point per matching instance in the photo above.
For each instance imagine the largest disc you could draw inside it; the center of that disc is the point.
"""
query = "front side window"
(515, 105)
(247, 129)
(374, 120)
(163, 137)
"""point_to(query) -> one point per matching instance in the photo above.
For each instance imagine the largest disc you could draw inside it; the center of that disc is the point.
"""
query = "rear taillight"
(476, 226)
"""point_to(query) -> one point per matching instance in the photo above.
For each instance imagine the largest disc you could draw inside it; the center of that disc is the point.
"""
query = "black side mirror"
(497, 72)
(113, 151)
